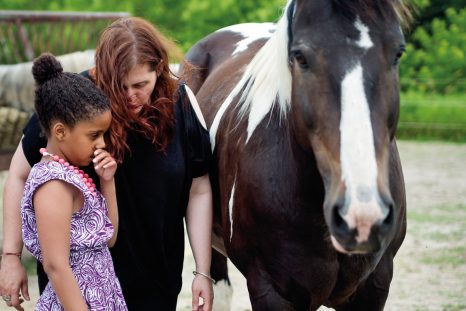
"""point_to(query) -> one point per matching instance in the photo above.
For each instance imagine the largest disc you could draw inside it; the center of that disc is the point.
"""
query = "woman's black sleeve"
(198, 140)
(33, 140)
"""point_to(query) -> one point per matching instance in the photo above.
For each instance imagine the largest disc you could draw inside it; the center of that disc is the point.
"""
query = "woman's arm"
(13, 277)
(109, 192)
(53, 218)
(199, 226)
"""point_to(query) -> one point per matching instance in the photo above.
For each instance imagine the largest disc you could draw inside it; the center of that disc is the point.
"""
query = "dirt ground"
(430, 268)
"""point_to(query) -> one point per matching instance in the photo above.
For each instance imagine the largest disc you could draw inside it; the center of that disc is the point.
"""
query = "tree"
(436, 58)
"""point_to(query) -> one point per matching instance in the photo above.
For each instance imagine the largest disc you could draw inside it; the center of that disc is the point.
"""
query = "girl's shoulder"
(44, 168)
(43, 172)
(51, 167)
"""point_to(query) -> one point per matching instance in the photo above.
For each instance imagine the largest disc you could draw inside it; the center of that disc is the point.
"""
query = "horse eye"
(300, 59)
(399, 54)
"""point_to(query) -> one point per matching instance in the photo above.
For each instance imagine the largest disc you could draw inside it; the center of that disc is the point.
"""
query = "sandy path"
(435, 178)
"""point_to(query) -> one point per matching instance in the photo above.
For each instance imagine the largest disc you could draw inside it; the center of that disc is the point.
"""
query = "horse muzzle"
(361, 226)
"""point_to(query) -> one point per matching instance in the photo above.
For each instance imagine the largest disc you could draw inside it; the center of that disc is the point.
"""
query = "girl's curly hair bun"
(46, 67)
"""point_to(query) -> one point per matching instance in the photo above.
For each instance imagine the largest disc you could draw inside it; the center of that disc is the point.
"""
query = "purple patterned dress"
(91, 228)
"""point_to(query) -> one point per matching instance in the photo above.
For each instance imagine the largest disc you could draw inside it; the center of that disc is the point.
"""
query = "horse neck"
(301, 150)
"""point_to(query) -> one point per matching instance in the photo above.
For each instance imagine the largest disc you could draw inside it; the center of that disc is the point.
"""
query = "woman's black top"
(152, 190)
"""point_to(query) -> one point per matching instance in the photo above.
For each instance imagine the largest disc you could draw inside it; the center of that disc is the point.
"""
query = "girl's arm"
(53, 217)
(199, 226)
(13, 277)
(105, 167)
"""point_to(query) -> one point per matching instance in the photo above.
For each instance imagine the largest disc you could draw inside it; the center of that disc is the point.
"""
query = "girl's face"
(139, 85)
(80, 142)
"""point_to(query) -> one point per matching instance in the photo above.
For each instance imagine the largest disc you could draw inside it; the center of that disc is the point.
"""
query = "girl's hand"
(104, 164)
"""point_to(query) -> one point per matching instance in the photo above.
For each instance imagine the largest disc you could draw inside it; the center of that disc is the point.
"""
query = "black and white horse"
(307, 179)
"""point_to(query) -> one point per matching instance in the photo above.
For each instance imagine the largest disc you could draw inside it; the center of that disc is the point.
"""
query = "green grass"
(30, 265)
(452, 257)
(454, 307)
(437, 214)
(445, 225)
(432, 117)
(454, 235)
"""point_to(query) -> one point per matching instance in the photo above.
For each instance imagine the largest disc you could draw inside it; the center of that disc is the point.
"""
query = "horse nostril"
(336, 216)
(389, 218)
(389, 206)
(340, 224)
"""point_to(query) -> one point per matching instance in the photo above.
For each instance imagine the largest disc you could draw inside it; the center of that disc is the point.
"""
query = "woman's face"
(139, 85)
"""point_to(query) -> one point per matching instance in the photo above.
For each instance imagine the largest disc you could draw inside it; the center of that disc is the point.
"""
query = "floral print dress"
(91, 228)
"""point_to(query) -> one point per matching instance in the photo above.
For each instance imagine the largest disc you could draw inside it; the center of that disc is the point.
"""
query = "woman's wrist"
(205, 275)
(10, 255)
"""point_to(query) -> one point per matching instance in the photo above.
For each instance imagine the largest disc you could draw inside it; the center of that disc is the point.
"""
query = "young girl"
(67, 223)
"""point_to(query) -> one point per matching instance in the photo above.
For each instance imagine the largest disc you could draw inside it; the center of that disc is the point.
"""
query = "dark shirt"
(152, 193)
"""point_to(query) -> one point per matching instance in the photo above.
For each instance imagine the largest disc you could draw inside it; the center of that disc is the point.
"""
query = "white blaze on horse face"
(364, 41)
(362, 207)
(357, 156)
(250, 32)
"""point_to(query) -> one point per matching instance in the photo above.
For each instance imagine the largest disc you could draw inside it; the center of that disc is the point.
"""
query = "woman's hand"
(202, 288)
(13, 281)
(104, 164)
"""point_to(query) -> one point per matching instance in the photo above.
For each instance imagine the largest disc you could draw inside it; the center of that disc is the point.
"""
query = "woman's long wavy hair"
(124, 44)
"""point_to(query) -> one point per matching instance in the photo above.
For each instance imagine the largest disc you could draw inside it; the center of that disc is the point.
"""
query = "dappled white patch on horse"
(251, 32)
(230, 208)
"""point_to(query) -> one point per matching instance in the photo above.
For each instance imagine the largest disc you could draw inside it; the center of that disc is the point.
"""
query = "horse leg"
(223, 291)
(263, 295)
(373, 293)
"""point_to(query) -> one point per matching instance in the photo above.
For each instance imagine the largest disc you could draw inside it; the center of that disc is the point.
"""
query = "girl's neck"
(85, 177)
(55, 150)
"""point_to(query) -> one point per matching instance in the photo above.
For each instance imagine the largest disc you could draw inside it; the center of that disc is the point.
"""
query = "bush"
(435, 61)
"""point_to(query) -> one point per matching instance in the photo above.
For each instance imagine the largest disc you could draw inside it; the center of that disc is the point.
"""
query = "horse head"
(345, 103)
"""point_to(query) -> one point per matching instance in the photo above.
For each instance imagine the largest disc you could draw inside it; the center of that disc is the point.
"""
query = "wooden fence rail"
(26, 34)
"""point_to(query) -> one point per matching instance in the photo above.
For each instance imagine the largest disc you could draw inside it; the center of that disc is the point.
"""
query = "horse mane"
(266, 81)
(373, 10)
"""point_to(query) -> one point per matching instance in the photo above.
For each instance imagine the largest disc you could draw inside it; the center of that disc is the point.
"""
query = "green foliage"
(204, 17)
(435, 61)
(426, 10)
